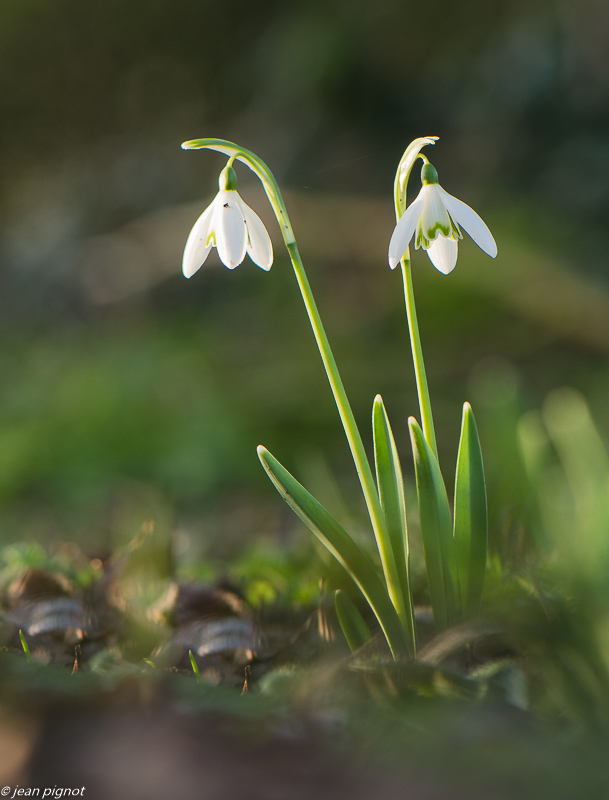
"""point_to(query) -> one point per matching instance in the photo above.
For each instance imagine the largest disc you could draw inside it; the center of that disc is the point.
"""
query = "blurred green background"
(127, 392)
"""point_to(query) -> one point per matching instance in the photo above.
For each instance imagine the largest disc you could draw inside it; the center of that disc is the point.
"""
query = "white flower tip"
(191, 265)
(492, 249)
(189, 268)
(485, 241)
(404, 231)
(467, 218)
(260, 247)
(443, 254)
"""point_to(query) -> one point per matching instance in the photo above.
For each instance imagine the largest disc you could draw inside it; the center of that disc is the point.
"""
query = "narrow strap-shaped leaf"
(391, 493)
(195, 666)
(471, 521)
(341, 545)
(436, 531)
(351, 621)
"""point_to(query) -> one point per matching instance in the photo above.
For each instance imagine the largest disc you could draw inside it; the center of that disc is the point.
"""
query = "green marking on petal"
(438, 227)
(456, 231)
(421, 240)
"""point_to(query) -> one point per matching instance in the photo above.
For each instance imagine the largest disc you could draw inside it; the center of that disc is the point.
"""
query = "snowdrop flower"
(230, 225)
(435, 217)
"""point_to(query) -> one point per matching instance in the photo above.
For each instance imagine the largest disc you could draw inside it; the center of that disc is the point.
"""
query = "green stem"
(417, 357)
(354, 438)
(377, 518)
(411, 154)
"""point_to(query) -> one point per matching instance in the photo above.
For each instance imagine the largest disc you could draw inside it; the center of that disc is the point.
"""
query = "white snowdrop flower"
(435, 217)
(230, 225)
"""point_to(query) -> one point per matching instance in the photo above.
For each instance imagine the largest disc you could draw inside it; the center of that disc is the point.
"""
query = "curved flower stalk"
(455, 551)
(411, 154)
(435, 217)
(230, 225)
(400, 638)
(259, 168)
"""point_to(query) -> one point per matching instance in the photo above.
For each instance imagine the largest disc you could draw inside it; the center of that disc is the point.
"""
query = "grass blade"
(584, 544)
(471, 520)
(195, 666)
(341, 545)
(391, 494)
(436, 531)
(351, 621)
(24, 645)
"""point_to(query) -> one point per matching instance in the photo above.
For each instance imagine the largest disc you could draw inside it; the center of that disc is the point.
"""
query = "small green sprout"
(25, 647)
(195, 666)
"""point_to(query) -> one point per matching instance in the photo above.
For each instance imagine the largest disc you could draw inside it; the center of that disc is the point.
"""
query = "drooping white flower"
(435, 217)
(231, 226)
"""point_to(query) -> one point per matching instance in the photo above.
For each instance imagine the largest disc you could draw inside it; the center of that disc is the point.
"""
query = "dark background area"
(127, 392)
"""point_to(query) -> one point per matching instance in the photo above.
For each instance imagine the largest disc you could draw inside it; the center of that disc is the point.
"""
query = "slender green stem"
(411, 154)
(354, 438)
(234, 152)
(417, 357)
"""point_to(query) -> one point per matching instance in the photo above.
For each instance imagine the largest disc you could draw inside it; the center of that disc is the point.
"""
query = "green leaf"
(24, 645)
(195, 666)
(341, 545)
(436, 531)
(471, 522)
(351, 621)
(391, 494)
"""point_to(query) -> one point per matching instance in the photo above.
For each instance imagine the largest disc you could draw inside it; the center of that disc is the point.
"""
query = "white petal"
(229, 229)
(434, 218)
(197, 248)
(471, 222)
(259, 245)
(443, 254)
(404, 231)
